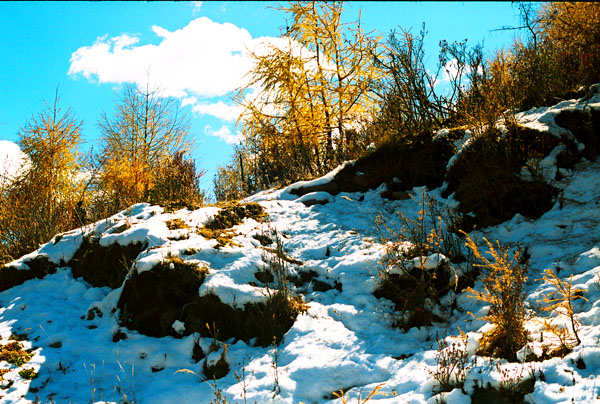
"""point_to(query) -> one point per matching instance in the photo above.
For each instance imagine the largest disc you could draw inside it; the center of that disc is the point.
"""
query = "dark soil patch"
(303, 277)
(419, 162)
(265, 276)
(485, 177)
(197, 353)
(216, 370)
(263, 239)
(320, 286)
(504, 395)
(118, 336)
(409, 291)
(153, 300)
(104, 266)
(39, 267)
(310, 278)
(585, 126)
(267, 322)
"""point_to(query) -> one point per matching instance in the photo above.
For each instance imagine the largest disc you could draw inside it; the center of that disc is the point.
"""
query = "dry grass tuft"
(219, 227)
(14, 354)
(175, 224)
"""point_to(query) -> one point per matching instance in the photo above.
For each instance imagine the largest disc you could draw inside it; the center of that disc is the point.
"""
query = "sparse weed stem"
(91, 379)
(434, 230)
(283, 304)
(275, 366)
(503, 280)
(560, 302)
(452, 363)
(241, 379)
(125, 373)
(218, 397)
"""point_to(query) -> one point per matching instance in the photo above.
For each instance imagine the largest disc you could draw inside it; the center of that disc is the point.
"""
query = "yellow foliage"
(42, 199)
(503, 279)
(572, 30)
(375, 392)
(313, 91)
(145, 131)
(126, 181)
(559, 53)
(560, 301)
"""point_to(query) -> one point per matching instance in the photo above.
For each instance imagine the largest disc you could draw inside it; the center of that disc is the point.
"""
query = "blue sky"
(192, 50)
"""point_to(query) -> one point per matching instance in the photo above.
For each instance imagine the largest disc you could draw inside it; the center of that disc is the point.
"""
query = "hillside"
(114, 312)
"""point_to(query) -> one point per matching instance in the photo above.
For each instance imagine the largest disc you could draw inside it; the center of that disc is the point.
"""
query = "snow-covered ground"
(344, 341)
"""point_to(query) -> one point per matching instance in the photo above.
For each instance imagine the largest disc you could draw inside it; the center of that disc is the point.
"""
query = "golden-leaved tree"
(145, 133)
(308, 97)
(42, 199)
(557, 52)
(572, 31)
(228, 184)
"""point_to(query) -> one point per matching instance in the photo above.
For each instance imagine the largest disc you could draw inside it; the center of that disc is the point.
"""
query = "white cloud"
(124, 41)
(11, 159)
(225, 134)
(203, 59)
(160, 31)
(450, 71)
(220, 110)
(189, 101)
(198, 63)
(197, 6)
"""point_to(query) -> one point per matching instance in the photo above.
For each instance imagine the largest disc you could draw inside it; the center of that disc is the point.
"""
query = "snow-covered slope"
(345, 340)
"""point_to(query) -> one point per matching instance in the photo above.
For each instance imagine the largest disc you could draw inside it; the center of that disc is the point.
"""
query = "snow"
(179, 327)
(231, 292)
(319, 197)
(327, 178)
(345, 341)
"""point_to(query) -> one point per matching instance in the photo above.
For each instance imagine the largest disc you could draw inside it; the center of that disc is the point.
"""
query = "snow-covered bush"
(416, 267)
